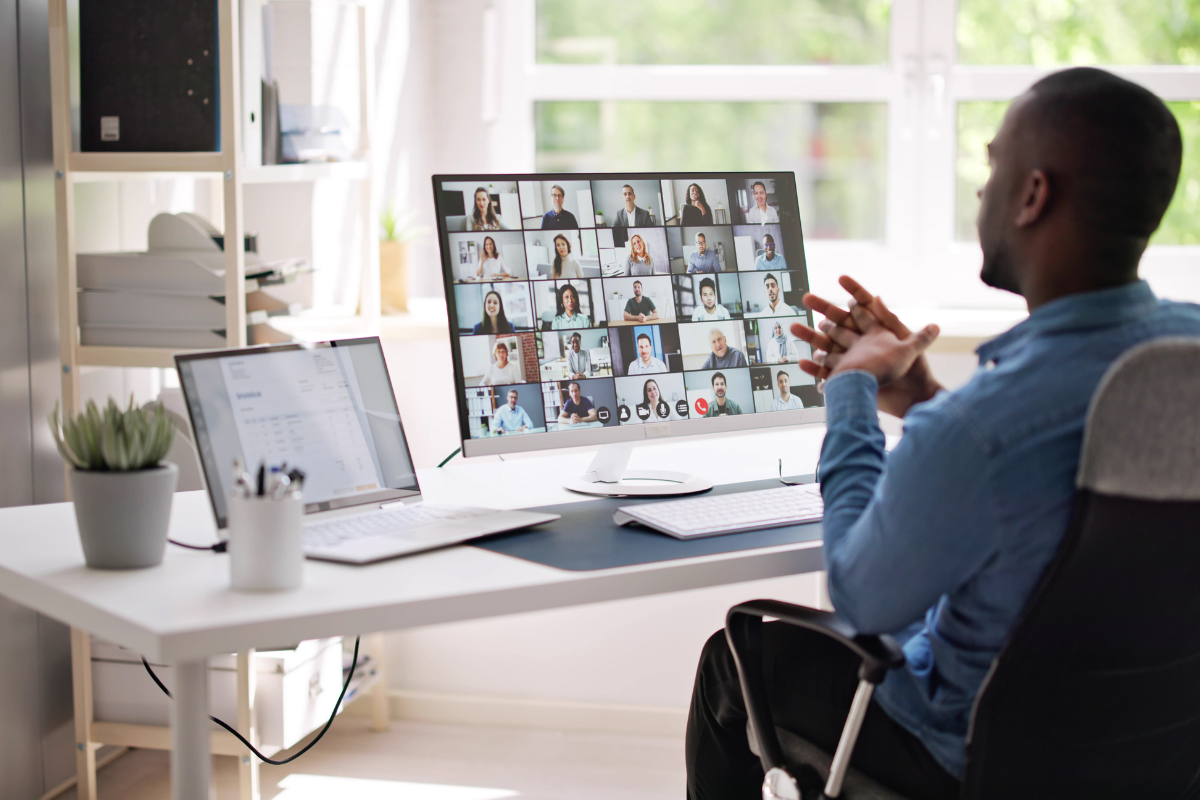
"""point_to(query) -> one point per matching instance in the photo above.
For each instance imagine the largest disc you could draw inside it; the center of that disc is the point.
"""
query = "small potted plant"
(393, 257)
(121, 487)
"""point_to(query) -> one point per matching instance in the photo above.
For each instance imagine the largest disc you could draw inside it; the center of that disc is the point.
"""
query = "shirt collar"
(1098, 309)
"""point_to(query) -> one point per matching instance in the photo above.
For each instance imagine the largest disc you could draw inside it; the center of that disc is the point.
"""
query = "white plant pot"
(123, 516)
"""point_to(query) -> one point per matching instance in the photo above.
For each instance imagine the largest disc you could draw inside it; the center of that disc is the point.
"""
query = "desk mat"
(586, 538)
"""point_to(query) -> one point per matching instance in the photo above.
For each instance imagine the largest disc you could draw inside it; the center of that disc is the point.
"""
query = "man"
(577, 408)
(703, 260)
(579, 361)
(638, 308)
(761, 213)
(944, 541)
(645, 363)
(558, 217)
(775, 306)
(708, 311)
(722, 356)
(722, 405)
(786, 400)
(510, 417)
(770, 259)
(631, 216)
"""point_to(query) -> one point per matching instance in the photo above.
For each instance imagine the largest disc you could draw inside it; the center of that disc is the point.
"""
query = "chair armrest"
(743, 631)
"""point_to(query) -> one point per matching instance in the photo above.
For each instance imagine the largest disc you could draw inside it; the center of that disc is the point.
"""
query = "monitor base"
(607, 476)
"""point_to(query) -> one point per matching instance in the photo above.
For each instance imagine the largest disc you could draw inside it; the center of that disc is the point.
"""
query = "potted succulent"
(121, 486)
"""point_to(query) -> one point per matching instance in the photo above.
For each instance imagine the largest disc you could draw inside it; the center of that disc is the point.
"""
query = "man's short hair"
(708, 282)
(638, 283)
(768, 238)
(759, 183)
(575, 384)
(1115, 144)
(630, 188)
(645, 336)
(512, 391)
(716, 330)
(770, 277)
(720, 375)
(700, 235)
(783, 374)
(560, 190)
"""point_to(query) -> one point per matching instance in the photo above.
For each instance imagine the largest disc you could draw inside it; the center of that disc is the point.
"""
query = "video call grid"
(687, 395)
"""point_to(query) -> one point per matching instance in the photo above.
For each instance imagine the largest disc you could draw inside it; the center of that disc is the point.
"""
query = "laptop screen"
(327, 409)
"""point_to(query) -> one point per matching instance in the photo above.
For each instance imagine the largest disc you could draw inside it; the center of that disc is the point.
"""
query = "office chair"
(1097, 693)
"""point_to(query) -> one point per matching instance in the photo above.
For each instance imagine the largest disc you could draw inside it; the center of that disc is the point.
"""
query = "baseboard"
(518, 712)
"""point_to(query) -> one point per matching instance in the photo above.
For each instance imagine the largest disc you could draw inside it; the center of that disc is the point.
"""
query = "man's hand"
(841, 329)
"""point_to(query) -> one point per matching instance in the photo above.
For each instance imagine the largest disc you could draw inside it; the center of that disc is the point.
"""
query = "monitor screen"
(586, 302)
(327, 409)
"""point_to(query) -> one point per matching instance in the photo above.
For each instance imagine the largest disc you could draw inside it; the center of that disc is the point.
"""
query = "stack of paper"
(173, 295)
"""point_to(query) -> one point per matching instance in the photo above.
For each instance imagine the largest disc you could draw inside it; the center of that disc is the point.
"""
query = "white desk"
(184, 611)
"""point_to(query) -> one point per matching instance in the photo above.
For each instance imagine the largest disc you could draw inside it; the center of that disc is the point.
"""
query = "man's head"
(557, 195)
(769, 246)
(645, 348)
(760, 193)
(574, 391)
(708, 294)
(718, 383)
(637, 288)
(772, 286)
(628, 194)
(716, 340)
(576, 341)
(784, 382)
(512, 398)
(701, 243)
(1083, 168)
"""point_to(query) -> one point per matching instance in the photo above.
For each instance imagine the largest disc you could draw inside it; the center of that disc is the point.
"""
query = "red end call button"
(701, 406)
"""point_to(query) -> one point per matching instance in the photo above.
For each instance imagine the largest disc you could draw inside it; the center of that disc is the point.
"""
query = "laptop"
(327, 409)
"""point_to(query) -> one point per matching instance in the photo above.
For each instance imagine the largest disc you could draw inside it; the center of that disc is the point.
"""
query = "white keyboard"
(397, 521)
(713, 515)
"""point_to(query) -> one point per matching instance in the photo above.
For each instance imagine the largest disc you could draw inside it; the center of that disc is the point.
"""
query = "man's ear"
(1035, 194)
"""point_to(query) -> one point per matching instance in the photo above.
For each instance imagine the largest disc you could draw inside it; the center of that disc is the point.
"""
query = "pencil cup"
(265, 550)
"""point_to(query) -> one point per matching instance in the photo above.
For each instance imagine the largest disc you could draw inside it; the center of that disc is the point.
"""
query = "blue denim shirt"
(943, 541)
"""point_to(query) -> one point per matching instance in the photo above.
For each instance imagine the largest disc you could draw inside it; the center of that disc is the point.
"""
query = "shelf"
(93, 356)
(300, 173)
(115, 166)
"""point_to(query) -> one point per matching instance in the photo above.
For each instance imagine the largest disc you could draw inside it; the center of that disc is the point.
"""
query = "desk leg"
(85, 751)
(248, 775)
(380, 718)
(191, 762)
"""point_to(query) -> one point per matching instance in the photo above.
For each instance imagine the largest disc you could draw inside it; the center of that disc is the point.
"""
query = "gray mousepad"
(586, 538)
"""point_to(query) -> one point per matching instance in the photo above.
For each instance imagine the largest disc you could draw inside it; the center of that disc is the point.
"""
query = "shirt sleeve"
(899, 537)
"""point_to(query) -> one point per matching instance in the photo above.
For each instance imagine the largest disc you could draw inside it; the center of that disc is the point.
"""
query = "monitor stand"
(607, 476)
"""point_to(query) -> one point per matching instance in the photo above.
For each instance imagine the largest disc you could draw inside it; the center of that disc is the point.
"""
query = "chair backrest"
(1097, 693)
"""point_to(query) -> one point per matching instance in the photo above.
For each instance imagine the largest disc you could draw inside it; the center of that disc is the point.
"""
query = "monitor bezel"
(554, 440)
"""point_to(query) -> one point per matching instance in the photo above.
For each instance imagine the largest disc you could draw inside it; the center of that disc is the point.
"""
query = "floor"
(418, 761)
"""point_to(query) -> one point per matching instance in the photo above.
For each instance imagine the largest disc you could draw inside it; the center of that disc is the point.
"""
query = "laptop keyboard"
(402, 521)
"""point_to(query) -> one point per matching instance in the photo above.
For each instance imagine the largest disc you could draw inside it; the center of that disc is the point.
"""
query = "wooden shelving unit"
(235, 166)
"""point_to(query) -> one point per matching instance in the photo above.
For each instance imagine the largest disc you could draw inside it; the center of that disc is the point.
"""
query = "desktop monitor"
(605, 309)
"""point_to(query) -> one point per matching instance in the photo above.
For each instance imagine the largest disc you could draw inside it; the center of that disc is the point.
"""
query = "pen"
(262, 478)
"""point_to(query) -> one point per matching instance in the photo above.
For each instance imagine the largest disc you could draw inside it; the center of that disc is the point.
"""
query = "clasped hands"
(867, 336)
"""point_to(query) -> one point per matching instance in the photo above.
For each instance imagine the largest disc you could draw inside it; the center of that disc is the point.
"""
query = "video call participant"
(651, 396)
(494, 321)
(483, 215)
(696, 210)
(786, 400)
(579, 361)
(640, 308)
(703, 260)
(722, 406)
(502, 370)
(577, 408)
(775, 306)
(510, 417)
(564, 265)
(645, 363)
(491, 263)
(631, 216)
(779, 349)
(708, 311)
(770, 259)
(567, 307)
(637, 262)
(722, 356)
(761, 213)
(558, 217)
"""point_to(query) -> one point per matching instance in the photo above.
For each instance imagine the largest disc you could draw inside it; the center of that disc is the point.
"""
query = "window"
(881, 107)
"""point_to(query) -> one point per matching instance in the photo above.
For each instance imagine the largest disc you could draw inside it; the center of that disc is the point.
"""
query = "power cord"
(219, 547)
(446, 460)
(242, 739)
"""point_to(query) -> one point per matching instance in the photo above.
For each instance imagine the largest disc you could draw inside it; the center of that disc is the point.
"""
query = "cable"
(457, 450)
(252, 748)
(219, 547)
(810, 478)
